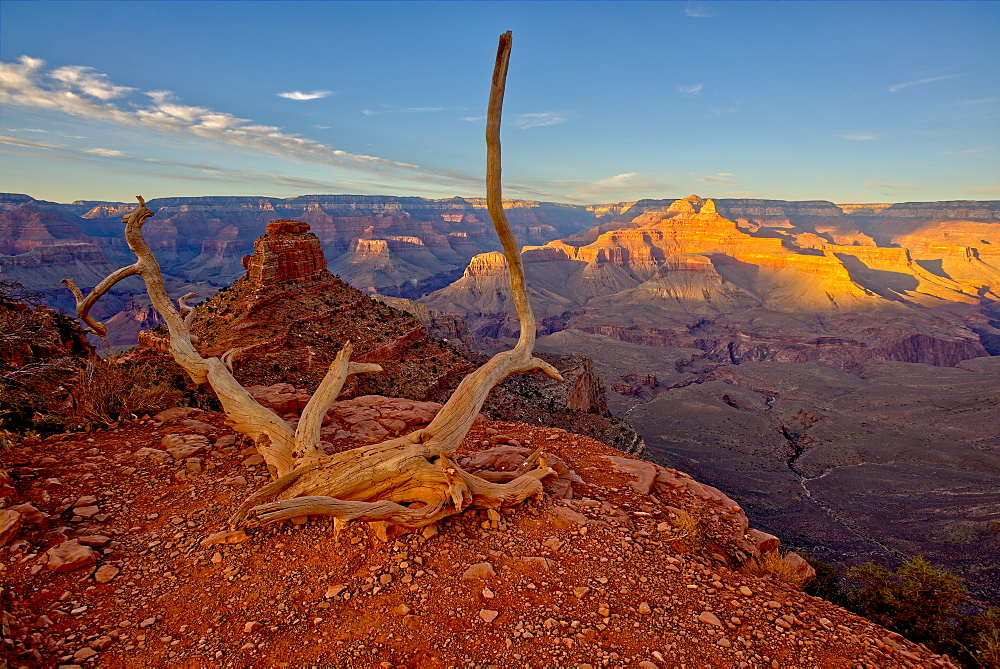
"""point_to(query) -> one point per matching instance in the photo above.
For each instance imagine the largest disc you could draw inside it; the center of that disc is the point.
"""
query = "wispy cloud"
(859, 137)
(107, 153)
(881, 185)
(540, 119)
(299, 95)
(980, 101)
(46, 146)
(907, 84)
(627, 185)
(692, 90)
(407, 110)
(82, 92)
(473, 118)
(26, 143)
(965, 152)
(697, 10)
(718, 178)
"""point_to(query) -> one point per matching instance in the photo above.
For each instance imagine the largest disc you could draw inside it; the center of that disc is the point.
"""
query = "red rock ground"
(605, 579)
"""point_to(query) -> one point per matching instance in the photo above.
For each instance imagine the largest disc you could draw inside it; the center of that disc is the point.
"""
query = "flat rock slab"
(10, 525)
(70, 555)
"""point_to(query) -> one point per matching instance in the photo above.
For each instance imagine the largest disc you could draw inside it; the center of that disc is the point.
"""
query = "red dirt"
(297, 595)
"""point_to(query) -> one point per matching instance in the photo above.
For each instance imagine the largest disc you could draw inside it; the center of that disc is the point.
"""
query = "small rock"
(644, 608)
(94, 540)
(478, 570)
(604, 609)
(11, 523)
(86, 511)
(147, 622)
(193, 465)
(581, 591)
(105, 573)
(253, 460)
(401, 610)
(646, 664)
(488, 594)
(84, 653)
(70, 555)
(252, 627)
(745, 591)
(216, 557)
(225, 537)
(101, 643)
(724, 642)
(333, 591)
(487, 615)
(709, 618)
(86, 500)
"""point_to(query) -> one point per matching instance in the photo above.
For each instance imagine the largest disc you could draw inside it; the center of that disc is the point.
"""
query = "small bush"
(772, 564)
(109, 390)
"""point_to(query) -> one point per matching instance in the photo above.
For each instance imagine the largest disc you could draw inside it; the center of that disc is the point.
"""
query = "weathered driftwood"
(411, 481)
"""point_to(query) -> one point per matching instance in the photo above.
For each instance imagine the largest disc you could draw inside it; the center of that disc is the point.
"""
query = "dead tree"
(411, 481)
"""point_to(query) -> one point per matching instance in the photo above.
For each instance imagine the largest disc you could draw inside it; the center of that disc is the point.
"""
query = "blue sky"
(606, 101)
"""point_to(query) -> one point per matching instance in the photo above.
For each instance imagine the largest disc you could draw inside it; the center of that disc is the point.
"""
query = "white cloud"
(108, 153)
(718, 178)
(693, 90)
(859, 137)
(88, 81)
(81, 92)
(697, 10)
(625, 186)
(25, 143)
(907, 84)
(299, 95)
(541, 119)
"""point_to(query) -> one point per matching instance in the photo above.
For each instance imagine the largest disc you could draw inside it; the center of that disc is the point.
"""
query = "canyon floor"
(605, 579)
(881, 462)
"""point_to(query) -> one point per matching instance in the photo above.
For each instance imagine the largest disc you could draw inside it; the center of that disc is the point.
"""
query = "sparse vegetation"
(922, 602)
(111, 389)
(773, 564)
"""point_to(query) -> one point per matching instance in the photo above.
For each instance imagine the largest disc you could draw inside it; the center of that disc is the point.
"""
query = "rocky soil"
(633, 565)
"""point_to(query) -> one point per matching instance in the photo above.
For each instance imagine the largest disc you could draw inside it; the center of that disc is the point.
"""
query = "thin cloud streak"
(719, 178)
(889, 187)
(693, 90)
(859, 137)
(907, 84)
(697, 11)
(625, 186)
(539, 120)
(299, 95)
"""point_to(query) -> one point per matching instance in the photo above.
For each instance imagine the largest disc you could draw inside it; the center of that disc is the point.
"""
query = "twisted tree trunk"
(410, 481)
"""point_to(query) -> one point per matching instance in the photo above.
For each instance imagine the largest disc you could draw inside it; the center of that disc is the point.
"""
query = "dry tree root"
(408, 482)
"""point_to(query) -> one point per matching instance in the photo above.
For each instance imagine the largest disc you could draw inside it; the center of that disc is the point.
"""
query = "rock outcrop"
(287, 252)
(784, 281)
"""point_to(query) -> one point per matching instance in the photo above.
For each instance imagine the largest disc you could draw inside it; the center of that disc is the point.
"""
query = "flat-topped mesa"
(288, 252)
(487, 264)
